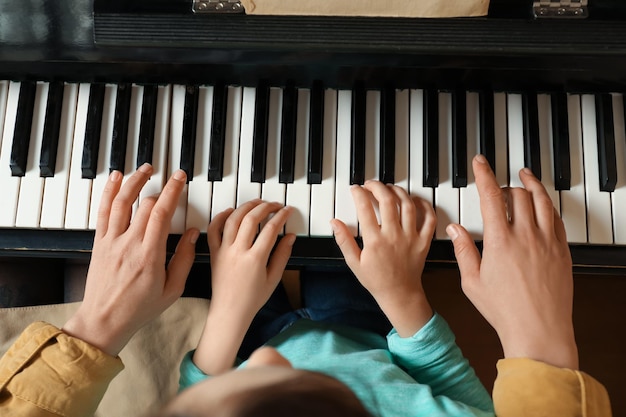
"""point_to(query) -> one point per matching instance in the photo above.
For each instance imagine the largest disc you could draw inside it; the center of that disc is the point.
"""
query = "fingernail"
(452, 232)
(115, 176)
(334, 226)
(481, 159)
(290, 239)
(193, 238)
(527, 171)
(146, 168)
(180, 175)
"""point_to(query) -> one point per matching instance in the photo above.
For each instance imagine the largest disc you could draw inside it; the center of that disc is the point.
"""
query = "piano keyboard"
(304, 148)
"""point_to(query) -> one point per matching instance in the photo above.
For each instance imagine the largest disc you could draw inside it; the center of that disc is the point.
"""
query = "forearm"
(408, 312)
(221, 339)
(526, 387)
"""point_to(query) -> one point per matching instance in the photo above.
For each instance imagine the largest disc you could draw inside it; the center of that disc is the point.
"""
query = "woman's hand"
(128, 283)
(392, 260)
(523, 284)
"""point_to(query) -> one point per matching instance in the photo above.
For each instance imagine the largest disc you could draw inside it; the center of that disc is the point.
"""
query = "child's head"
(268, 385)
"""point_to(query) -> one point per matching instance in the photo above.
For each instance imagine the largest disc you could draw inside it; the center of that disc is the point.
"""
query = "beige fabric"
(389, 8)
(151, 358)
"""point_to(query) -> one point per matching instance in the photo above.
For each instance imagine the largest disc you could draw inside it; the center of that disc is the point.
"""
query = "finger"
(158, 226)
(267, 238)
(216, 228)
(492, 206)
(466, 253)
(408, 209)
(387, 204)
(249, 227)
(181, 263)
(280, 257)
(520, 208)
(364, 210)
(346, 242)
(559, 227)
(140, 220)
(542, 203)
(231, 228)
(122, 206)
(111, 189)
(426, 217)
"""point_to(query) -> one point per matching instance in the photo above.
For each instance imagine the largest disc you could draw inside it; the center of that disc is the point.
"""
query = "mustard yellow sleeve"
(48, 373)
(525, 387)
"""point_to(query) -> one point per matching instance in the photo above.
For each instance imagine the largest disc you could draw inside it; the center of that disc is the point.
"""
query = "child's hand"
(523, 285)
(128, 284)
(244, 275)
(391, 263)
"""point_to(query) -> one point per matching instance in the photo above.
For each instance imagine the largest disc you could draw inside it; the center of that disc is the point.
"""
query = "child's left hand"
(394, 252)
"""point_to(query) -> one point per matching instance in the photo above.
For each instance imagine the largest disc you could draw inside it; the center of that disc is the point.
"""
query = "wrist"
(96, 332)
(561, 352)
(408, 312)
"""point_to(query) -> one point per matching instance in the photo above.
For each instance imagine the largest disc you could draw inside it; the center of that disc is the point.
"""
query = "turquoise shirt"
(422, 375)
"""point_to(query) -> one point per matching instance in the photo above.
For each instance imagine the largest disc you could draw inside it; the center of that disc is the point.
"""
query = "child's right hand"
(392, 260)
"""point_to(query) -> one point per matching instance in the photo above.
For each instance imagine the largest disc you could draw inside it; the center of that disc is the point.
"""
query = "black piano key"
(288, 135)
(51, 128)
(218, 132)
(607, 161)
(91, 147)
(119, 137)
(431, 138)
(23, 124)
(487, 128)
(387, 161)
(560, 142)
(459, 139)
(145, 147)
(190, 119)
(532, 147)
(259, 138)
(357, 136)
(316, 129)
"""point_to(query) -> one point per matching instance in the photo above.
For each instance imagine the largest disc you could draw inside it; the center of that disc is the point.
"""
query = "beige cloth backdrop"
(151, 358)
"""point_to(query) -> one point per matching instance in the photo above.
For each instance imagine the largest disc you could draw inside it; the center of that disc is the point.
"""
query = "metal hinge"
(566, 9)
(217, 6)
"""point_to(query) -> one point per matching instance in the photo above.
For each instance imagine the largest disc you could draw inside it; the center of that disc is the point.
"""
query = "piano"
(295, 109)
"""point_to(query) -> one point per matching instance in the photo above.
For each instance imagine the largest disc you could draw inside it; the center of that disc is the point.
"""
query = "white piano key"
(56, 187)
(9, 185)
(246, 189)
(446, 196)
(546, 141)
(323, 195)
(573, 209)
(200, 188)
(79, 189)
(516, 138)
(599, 217)
(160, 145)
(416, 148)
(618, 198)
(272, 189)
(344, 206)
(299, 192)
(470, 215)
(175, 149)
(32, 184)
(401, 173)
(104, 153)
(132, 140)
(225, 191)
(501, 138)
